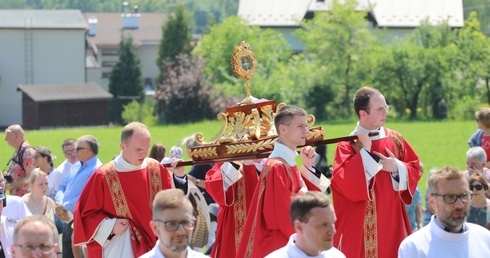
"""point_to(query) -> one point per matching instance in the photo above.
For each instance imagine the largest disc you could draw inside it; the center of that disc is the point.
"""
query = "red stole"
(268, 225)
(129, 195)
(233, 206)
(359, 206)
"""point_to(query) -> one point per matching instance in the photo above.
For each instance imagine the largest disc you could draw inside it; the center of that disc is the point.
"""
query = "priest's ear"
(298, 226)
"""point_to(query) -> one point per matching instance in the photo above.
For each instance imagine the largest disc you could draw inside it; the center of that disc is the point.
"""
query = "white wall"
(58, 56)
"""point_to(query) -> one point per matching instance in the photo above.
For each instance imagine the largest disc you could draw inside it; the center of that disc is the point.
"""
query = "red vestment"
(371, 217)
(112, 194)
(268, 225)
(233, 205)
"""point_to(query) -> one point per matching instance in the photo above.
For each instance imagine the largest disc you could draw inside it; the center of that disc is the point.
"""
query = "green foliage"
(472, 59)
(125, 82)
(340, 42)
(218, 46)
(185, 95)
(176, 39)
(483, 9)
(141, 112)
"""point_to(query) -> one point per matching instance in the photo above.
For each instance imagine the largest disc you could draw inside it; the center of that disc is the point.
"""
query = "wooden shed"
(64, 105)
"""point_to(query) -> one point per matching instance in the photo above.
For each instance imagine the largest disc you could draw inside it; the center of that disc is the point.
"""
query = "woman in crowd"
(158, 152)
(480, 205)
(36, 200)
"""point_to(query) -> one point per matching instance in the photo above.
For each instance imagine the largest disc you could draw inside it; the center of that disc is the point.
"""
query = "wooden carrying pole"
(266, 154)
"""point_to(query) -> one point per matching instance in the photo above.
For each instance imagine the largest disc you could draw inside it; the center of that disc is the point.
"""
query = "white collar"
(361, 130)
(281, 150)
(124, 166)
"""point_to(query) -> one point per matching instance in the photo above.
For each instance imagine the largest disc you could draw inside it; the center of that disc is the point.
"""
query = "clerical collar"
(463, 228)
(361, 130)
(124, 166)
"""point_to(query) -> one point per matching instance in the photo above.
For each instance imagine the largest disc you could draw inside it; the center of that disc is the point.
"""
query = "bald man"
(21, 163)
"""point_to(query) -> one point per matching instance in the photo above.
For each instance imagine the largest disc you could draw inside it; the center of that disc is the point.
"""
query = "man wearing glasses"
(173, 222)
(35, 236)
(448, 234)
(373, 179)
(69, 151)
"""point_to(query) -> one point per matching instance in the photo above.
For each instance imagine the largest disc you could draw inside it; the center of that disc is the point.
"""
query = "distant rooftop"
(387, 13)
(42, 19)
(109, 27)
(55, 92)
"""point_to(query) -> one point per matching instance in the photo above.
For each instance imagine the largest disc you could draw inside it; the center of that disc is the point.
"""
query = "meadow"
(437, 143)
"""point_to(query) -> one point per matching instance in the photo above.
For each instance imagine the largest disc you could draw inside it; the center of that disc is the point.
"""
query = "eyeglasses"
(69, 152)
(452, 198)
(31, 248)
(476, 187)
(173, 225)
(382, 110)
(81, 148)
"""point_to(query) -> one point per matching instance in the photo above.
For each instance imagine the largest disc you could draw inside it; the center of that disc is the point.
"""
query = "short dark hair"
(286, 114)
(45, 152)
(170, 199)
(362, 98)
(479, 177)
(68, 142)
(92, 142)
(158, 151)
(302, 204)
(446, 173)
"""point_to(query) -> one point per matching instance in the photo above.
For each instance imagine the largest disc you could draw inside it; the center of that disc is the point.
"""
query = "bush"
(134, 111)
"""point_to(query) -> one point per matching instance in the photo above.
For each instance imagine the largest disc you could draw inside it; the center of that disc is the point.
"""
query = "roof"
(273, 12)
(403, 13)
(387, 13)
(56, 92)
(109, 26)
(42, 19)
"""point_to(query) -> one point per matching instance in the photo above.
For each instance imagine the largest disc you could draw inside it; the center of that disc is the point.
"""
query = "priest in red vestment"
(232, 187)
(373, 179)
(113, 212)
(268, 225)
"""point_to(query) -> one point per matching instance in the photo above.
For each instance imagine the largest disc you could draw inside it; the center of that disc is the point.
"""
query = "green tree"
(418, 71)
(176, 39)
(340, 42)
(125, 82)
(218, 46)
(473, 59)
(185, 95)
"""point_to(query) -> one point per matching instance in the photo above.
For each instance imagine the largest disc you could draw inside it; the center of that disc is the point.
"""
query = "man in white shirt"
(313, 219)
(173, 222)
(69, 150)
(448, 234)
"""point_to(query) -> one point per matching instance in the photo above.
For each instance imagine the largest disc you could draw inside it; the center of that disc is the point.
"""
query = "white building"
(38, 47)
(398, 17)
(105, 30)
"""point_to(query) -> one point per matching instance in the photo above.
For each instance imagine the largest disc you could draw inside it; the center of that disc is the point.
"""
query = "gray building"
(38, 47)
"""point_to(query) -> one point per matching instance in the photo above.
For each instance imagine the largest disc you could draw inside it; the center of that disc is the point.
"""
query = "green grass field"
(437, 143)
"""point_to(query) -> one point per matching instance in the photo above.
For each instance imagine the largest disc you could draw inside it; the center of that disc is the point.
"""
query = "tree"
(186, 95)
(473, 58)
(418, 71)
(176, 39)
(340, 42)
(217, 47)
(125, 82)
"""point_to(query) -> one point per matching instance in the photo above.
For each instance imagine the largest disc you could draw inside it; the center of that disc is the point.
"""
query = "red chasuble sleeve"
(233, 205)
(134, 192)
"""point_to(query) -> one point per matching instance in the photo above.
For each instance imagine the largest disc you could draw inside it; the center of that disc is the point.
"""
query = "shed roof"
(110, 26)
(42, 19)
(57, 92)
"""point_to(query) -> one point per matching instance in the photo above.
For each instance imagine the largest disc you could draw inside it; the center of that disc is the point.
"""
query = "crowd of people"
(142, 204)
